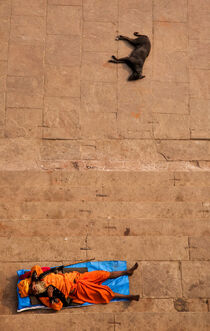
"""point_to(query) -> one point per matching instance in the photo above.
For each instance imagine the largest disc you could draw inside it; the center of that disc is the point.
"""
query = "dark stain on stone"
(75, 165)
(196, 285)
(179, 197)
(127, 232)
(85, 211)
(181, 305)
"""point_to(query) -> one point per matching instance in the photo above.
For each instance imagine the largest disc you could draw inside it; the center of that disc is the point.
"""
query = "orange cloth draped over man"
(57, 290)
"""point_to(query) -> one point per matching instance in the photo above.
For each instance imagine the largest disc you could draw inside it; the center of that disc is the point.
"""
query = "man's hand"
(50, 291)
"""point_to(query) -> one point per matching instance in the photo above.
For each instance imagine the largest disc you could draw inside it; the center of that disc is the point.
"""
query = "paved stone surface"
(92, 165)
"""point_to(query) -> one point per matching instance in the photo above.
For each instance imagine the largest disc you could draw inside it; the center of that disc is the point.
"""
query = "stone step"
(105, 227)
(84, 210)
(105, 192)
(161, 321)
(159, 283)
(118, 248)
(107, 321)
(77, 178)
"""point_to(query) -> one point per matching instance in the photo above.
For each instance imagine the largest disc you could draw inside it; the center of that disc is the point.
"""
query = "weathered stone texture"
(139, 248)
(93, 165)
(195, 279)
(200, 248)
(161, 280)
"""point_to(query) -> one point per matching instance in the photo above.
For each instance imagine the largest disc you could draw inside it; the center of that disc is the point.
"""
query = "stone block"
(64, 20)
(199, 54)
(99, 37)
(25, 60)
(135, 16)
(170, 97)
(62, 81)
(98, 97)
(65, 2)
(199, 20)
(165, 34)
(60, 150)
(4, 29)
(96, 67)
(4, 50)
(160, 210)
(62, 248)
(200, 83)
(128, 149)
(161, 279)
(77, 320)
(136, 94)
(127, 190)
(19, 154)
(25, 85)
(170, 57)
(30, 179)
(184, 150)
(200, 118)
(170, 67)
(98, 10)
(2, 109)
(25, 92)
(3, 73)
(28, 29)
(195, 279)
(171, 126)
(158, 227)
(98, 125)
(201, 179)
(29, 7)
(88, 150)
(138, 248)
(63, 50)
(134, 121)
(170, 10)
(162, 321)
(5, 8)
(23, 122)
(18, 100)
(200, 248)
(61, 117)
(58, 228)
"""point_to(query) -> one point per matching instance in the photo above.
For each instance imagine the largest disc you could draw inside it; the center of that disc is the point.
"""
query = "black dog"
(137, 57)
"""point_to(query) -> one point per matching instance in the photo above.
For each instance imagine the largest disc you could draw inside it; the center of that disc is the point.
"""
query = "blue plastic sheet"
(118, 285)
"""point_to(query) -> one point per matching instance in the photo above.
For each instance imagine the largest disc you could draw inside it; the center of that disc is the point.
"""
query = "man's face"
(32, 289)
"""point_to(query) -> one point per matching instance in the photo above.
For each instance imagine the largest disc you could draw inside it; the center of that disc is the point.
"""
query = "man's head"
(37, 287)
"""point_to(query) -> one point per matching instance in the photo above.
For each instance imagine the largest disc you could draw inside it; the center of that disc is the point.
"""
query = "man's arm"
(55, 305)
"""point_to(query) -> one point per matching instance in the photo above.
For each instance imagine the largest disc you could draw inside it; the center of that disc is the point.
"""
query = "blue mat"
(118, 285)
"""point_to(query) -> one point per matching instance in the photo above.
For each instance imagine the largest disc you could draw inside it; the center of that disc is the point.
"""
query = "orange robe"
(79, 287)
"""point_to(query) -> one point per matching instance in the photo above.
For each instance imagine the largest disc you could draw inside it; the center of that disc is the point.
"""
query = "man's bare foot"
(131, 270)
(134, 297)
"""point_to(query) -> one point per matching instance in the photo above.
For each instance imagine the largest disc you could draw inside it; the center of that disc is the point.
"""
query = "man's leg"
(129, 272)
(128, 297)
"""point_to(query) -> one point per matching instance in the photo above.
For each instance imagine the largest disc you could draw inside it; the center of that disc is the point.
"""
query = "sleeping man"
(57, 290)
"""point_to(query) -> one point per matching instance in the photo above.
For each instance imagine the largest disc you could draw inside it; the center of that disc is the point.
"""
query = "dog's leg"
(129, 40)
(121, 60)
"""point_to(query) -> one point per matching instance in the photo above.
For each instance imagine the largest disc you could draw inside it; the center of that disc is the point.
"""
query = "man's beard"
(40, 287)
